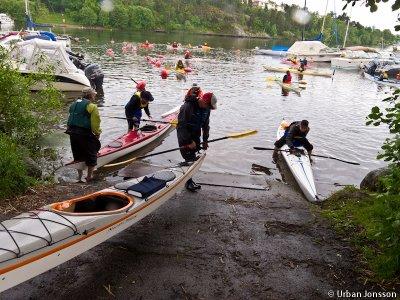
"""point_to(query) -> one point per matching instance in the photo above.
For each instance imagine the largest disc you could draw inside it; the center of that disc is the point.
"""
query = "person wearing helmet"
(193, 120)
(133, 109)
(295, 136)
(194, 91)
(287, 78)
(84, 131)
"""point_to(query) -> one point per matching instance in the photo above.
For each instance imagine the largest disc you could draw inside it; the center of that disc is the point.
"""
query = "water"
(336, 109)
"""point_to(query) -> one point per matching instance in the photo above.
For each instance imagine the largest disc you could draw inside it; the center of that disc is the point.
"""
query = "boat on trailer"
(37, 241)
(132, 141)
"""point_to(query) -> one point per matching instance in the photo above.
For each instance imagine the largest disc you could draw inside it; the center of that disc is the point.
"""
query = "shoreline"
(233, 35)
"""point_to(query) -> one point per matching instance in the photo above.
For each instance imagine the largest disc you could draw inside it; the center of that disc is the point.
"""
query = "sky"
(384, 18)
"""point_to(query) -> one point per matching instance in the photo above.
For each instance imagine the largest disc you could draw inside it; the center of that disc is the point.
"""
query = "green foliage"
(13, 174)
(390, 184)
(391, 117)
(212, 16)
(372, 223)
(24, 119)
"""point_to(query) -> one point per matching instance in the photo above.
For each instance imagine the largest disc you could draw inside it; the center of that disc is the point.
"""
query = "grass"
(372, 223)
(55, 18)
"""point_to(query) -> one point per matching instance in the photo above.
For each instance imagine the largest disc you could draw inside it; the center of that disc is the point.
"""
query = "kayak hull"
(129, 143)
(300, 167)
(99, 228)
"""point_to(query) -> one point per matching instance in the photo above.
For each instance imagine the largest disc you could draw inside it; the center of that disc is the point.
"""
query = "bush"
(373, 225)
(13, 173)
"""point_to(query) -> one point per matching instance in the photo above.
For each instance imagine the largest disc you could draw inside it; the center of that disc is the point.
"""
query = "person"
(383, 76)
(146, 43)
(175, 45)
(295, 136)
(193, 119)
(303, 64)
(84, 131)
(287, 78)
(398, 76)
(180, 66)
(133, 109)
(187, 54)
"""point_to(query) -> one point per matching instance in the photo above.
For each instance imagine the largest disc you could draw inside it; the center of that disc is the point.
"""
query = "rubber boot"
(190, 185)
(196, 186)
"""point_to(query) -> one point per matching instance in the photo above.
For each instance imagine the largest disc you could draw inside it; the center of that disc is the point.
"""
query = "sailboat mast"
(323, 21)
(304, 26)
(347, 28)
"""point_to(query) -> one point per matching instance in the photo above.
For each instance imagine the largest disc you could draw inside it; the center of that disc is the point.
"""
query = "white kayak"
(324, 73)
(40, 240)
(299, 166)
(289, 87)
(387, 82)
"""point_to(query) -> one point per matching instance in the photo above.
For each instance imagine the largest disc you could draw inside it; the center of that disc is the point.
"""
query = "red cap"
(210, 99)
(141, 85)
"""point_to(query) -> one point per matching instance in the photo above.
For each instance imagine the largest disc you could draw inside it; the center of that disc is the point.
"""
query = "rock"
(371, 180)
(33, 168)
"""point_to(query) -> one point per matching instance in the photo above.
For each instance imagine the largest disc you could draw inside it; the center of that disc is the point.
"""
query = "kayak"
(387, 82)
(287, 86)
(39, 240)
(131, 141)
(295, 71)
(300, 166)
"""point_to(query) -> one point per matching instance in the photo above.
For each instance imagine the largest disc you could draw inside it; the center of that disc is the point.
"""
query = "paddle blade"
(242, 134)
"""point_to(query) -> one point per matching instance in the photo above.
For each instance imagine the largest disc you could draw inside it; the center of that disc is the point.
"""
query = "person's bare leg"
(89, 176)
(80, 174)
(309, 156)
(275, 155)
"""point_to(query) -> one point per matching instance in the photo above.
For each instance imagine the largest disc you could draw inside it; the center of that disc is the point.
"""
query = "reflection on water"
(335, 108)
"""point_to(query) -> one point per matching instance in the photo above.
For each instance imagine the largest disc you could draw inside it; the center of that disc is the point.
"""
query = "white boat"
(391, 83)
(269, 52)
(131, 142)
(6, 22)
(300, 166)
(314, 51)
(40, 240)
(353, 60)
(35, 56)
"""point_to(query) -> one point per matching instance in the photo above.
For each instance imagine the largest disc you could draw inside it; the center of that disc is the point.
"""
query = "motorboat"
(40, 56)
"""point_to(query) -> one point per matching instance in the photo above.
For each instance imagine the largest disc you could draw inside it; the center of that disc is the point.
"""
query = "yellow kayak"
(289, 87)
(295, 71)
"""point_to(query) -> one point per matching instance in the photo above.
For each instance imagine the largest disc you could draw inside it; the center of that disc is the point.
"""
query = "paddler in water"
(193, 119)
(195, 90)
(180, 66)
(303, 64)
(84, 131)
(295, 136)
(133, 109)
(287, 78)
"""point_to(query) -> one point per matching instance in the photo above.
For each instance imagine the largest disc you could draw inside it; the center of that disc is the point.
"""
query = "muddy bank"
(217, 243)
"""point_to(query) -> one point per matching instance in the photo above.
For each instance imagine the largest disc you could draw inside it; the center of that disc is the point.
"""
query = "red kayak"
(131, 141)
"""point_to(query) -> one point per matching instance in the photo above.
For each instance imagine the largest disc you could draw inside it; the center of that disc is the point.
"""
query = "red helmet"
(141, 85)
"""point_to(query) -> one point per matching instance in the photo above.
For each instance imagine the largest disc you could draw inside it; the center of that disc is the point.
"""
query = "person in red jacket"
(287, 78)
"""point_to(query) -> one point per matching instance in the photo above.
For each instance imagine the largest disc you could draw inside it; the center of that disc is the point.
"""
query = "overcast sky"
(384, 18)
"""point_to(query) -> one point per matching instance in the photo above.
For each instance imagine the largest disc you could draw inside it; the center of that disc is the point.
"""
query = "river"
(336, 108)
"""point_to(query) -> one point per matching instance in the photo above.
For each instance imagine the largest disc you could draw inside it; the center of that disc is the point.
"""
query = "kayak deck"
(296, 71)
(37, 241)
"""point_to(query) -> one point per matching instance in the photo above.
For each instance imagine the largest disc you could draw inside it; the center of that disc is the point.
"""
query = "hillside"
(225, 16)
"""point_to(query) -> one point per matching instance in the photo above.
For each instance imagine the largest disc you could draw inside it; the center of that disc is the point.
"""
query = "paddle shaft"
(316, 155)
(162, 152)
(148, 120)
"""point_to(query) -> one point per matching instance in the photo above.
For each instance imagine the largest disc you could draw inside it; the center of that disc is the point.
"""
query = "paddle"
(270, 78)
(175, 122)
(229, 136)
(316, 155)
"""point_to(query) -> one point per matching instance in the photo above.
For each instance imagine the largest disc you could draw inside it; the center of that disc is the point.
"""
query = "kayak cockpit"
(105, 202)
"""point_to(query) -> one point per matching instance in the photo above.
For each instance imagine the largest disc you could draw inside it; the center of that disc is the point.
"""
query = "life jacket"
(78, 114)
(287, 78)
(137, 94)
